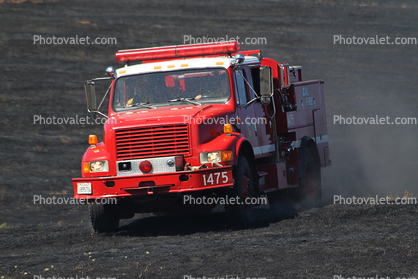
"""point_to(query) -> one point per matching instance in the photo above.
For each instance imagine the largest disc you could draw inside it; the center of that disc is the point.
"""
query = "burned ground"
(42, 80)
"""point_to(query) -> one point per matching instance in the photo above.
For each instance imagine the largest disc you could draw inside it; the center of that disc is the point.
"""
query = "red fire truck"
(190, 122)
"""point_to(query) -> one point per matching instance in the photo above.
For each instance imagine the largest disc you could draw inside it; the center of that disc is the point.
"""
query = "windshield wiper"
(185, 100)
(145, 105)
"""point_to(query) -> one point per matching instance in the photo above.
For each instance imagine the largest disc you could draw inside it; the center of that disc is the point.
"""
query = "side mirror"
(90, 96)
(266, 85)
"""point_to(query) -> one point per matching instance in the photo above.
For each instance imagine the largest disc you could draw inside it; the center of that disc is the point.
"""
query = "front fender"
(97, 153)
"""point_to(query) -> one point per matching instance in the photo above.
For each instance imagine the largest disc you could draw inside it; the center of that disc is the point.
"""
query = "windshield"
(149, 91)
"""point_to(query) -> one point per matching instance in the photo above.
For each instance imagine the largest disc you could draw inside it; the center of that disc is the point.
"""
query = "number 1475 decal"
(215, 178)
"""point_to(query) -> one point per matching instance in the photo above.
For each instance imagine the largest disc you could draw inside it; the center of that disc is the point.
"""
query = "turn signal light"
(86, 167)
(226, 155)
(93, 140)
(227, 129)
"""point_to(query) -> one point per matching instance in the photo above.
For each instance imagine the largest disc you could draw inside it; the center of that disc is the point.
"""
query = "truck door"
(245, 113)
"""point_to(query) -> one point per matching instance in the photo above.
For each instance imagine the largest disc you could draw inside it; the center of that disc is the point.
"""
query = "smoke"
(375, 159)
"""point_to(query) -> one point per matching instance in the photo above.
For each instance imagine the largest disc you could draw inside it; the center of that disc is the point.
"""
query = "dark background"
(360, 80)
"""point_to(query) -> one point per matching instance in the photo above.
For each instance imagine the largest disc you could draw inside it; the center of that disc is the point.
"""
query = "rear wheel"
(104, 217)
(241, 212)
(310, 192)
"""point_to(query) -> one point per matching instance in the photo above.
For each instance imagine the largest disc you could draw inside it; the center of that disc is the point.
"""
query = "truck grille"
(152, 142)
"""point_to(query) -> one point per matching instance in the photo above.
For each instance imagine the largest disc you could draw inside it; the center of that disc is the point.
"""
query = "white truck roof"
(182, 64)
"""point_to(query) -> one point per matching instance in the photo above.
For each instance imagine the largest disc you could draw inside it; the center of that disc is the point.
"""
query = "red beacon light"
(179, 51)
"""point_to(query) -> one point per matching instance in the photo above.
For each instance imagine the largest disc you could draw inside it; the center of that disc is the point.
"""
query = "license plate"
(84, 188)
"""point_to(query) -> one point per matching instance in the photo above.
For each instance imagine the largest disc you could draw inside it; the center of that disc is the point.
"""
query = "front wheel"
(241, 211)
(104, 217)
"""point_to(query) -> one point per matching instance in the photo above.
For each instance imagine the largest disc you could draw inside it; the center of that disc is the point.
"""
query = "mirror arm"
(104, 97)
(274, 109)
(255, 93)
(98, 112)
(251, 101)
(101, 78)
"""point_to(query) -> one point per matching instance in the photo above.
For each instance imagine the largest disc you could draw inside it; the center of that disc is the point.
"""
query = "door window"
(240, 88)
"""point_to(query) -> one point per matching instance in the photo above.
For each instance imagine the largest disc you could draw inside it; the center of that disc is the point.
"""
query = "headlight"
(99, 166)
(215, 156)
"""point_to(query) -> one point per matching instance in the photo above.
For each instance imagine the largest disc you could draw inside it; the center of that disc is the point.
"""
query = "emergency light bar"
(177, 51)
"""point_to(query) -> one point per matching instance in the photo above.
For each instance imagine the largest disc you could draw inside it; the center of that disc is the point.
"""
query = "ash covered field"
(333, 241)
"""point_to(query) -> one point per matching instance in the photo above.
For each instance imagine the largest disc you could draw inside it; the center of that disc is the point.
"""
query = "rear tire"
(310, 192)
(241, 213)
(104, 217)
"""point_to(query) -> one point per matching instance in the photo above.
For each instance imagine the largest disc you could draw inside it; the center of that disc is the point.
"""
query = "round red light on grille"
(145, 166)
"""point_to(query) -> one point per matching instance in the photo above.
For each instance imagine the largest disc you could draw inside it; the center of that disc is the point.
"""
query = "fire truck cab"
(202, 121)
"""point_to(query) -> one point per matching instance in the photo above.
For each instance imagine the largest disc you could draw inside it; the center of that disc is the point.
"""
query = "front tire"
(241, 212)
(104, 217)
